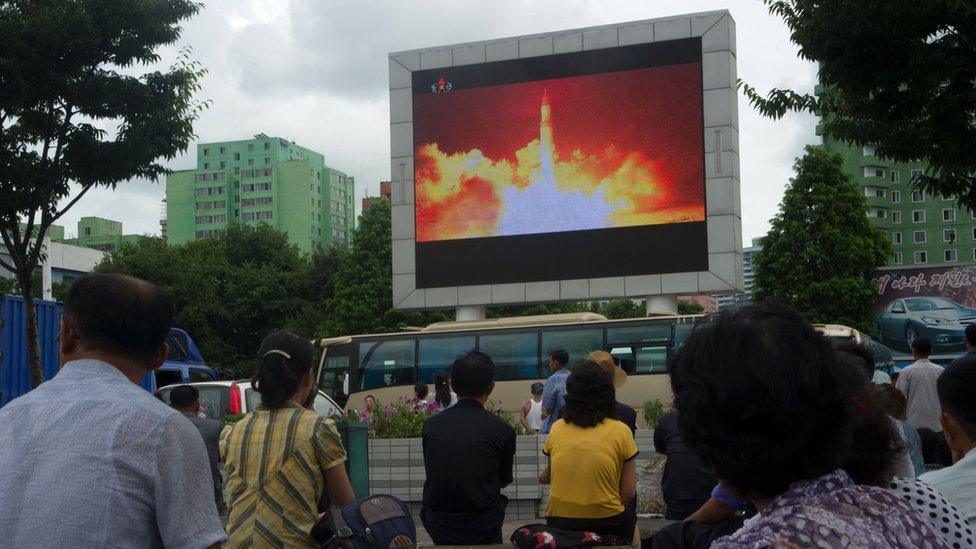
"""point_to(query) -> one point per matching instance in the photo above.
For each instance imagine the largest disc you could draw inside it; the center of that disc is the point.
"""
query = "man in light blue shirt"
(554, 393)
(89, 458)
(957, 483)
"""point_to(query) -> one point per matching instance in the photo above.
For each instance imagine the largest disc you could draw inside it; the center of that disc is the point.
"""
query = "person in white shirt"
(956, 387)
(531, 413)
(917, 382)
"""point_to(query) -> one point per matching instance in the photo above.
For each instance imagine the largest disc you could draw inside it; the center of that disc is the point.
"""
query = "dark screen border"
(561, 65)
(623, 251)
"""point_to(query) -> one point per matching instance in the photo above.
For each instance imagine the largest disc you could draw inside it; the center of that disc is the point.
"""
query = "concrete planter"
(396, 466)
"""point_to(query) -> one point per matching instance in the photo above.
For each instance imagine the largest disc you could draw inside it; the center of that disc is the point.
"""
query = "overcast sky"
(315, 72)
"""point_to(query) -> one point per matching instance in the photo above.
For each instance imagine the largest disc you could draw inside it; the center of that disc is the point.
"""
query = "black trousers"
(692, 535)
(475, 528)
(621, 525)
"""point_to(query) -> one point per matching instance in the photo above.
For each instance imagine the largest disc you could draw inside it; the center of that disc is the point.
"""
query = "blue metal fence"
(14, 374)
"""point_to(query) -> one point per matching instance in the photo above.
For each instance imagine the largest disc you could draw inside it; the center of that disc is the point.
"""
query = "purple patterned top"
(832, 511)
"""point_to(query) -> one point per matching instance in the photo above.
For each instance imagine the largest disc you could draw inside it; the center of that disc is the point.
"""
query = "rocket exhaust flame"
(540, 188)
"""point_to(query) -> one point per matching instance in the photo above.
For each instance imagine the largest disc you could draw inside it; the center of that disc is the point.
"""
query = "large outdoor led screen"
(577, 165)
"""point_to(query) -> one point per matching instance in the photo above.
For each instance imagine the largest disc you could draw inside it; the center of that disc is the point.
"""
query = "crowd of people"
(777, 438)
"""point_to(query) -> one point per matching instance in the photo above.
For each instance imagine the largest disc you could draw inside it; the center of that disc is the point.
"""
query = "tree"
(229, 291)
(71, 119)
(899, 78)
(821, 249)
(363, 299)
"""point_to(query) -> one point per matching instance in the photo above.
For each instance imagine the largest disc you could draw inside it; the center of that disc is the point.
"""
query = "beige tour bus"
(388, 365)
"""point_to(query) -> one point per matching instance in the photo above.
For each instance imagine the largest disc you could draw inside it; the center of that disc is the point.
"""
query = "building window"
(267, 145)
(206, 165)
(896, 217)
(204, 205)
(918, 216)
(223, 164)
(206, 152)
(916, 174)
(250, 161)
(895, 176)
(880, 214)
(920, 237)
(896, 197)
(250, 146)
(896, 238)
(974, 254)
(948, 214)
(921, 257)
(869, 150)
(204, 219)
(918, 196)
(237, 170)
(949, 235)
(223, 150)
(267, 160)
(220, 218)
(220, 204)
(951, 256)
(879, 173)
(237, 156)
(899, 258)
(879, 193)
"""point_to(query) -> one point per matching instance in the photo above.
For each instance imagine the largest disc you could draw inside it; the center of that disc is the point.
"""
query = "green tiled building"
(100, 234)
(262, 180)
(925, 230)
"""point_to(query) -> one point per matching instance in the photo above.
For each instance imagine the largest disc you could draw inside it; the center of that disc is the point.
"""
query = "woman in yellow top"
(282, 457)
(591, 460)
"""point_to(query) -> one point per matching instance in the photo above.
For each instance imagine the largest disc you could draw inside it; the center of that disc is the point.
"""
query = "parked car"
(220, 398)
(184, 363)
(837, 333)
(941, 320)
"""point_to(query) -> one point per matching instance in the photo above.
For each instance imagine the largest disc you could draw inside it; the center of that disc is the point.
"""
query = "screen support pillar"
(469, 312)
(662, 305)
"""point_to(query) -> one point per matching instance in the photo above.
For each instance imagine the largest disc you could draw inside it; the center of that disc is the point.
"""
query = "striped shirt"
(275, 461)
(958, 484)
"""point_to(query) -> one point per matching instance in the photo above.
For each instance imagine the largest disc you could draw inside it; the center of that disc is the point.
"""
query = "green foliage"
(363, 299)
(653, 410)
(821, 249)
(230, 419)
(58, 289)
(231, 290)
(898, 76)
(75, 115)
(405, 418)
(689, 308)
(401, 419)
(620, 308)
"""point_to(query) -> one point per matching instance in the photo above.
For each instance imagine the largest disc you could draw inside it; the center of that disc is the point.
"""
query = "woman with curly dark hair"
(769, 406)
(591, 460)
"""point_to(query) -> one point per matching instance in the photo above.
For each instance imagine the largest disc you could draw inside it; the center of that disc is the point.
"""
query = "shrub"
(653, 410)
(405, 418)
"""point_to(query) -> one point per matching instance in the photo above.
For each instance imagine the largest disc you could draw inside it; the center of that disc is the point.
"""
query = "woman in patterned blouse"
(766, 402)
(281, 458)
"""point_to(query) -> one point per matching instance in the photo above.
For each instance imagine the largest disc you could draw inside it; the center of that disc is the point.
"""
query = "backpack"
(542, 536)
(375, 522)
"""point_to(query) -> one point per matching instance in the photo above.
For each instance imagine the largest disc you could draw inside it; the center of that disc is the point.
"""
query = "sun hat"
(605, 362)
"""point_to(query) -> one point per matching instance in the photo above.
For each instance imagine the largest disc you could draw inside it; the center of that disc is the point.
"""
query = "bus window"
(682, 332)
(646, 333)
(578, 343)
(439, 353)
(390, 363)
(652, 360)
(515, 355)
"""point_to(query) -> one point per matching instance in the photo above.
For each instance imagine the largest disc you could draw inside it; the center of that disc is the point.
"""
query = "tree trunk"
(34, 366)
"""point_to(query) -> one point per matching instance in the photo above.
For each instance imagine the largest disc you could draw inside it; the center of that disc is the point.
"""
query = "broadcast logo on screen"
(441, 86)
